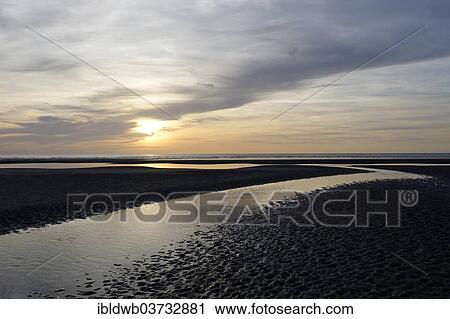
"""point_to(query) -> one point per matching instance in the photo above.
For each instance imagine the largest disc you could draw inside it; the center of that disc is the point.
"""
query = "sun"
(148, 127)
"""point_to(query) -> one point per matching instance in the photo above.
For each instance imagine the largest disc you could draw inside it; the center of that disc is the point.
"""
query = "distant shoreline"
(310, 160)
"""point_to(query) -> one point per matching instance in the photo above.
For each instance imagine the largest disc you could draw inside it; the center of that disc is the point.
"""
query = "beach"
(38, 197)
(242, 261)
(131, 258)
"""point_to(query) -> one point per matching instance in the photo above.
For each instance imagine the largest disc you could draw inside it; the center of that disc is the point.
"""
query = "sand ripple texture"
(411, 261)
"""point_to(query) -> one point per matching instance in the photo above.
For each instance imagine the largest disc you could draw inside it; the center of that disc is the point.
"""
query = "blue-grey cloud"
(328, 38)
(51, 129)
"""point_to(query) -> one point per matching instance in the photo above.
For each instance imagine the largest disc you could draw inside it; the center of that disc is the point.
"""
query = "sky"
(219, 72)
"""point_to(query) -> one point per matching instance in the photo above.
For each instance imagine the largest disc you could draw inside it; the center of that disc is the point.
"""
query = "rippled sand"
(412, 261)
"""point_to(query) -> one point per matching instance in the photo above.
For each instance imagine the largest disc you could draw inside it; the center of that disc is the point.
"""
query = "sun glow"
(148, 127)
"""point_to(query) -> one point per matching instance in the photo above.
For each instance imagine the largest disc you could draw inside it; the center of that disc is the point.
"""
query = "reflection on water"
(57, 256)
(197, 166)
(151, 165)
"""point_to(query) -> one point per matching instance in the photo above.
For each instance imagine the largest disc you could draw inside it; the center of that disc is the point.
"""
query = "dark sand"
(244, 261)
(442, 172)
(411, 261)
(37, 197)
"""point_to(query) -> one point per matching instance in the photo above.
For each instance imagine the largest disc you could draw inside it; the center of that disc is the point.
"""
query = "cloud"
(44, 65)
(327, 39)
(52, 129)
(202, 57)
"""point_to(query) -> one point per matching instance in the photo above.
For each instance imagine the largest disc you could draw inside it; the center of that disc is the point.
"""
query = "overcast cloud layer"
(222, 67)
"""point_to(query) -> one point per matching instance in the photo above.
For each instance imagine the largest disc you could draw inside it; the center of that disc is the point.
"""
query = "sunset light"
(148, 127)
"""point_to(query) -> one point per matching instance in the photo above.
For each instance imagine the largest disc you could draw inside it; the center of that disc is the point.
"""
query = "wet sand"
(285, 261)
(243, 261)
(442, 172)
(37, 197)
